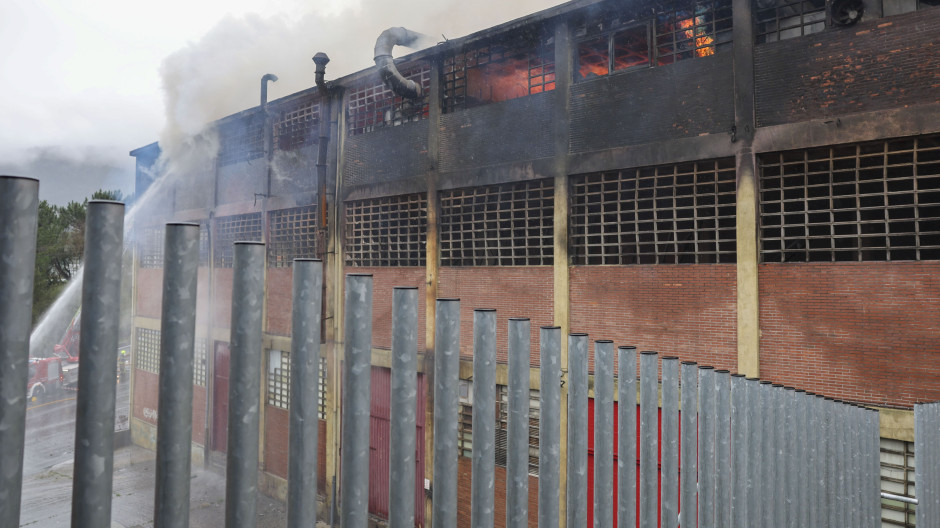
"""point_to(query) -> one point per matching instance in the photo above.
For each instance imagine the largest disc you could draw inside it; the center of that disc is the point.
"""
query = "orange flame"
(703, 42)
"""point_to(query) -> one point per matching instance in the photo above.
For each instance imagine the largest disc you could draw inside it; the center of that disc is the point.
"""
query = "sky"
(84, 82)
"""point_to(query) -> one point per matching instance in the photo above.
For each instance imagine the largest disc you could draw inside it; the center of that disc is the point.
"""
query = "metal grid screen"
(297, 125)
(786, 20)
(375, 105)
(293, 235)
(199, 361)
(671, 214)
(150, 247)
(203, 244)
(500, 225)
(388, 231)
(240, 140)
(502, 428)
(689, 33)
(866, 202)
(897, 478)
(147, 350)
(231, 229)
(278, 386)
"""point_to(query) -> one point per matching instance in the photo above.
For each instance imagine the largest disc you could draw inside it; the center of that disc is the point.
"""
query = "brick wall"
(279, 292)
(677, 310)
(222, 297)
(879, 64)
(384, 280)
(464, 482)
(146, 395)
(149, 292)
(276, 434)
(199, 415)
(517, 291)
(867, 332)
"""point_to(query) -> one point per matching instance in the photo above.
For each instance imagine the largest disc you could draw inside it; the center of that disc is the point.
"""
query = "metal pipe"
(854, 489)
(265, 79)
(707, 411)
(403, 417)
(875, 465)
(306, 315)
(446, 407)
(739, 451)
(723, 441)
(482, 507)
(177, 340)
(391, 37)
(780, 465)
(812, 479)
(649, 438)
(791, 461)
(755, 439)
(577, 430)
(626, 439)
(829, 514)
(768, 476)
(19, 217)
(94, 407)
(669, 444)
(324, 90)
(603, 433)
(900, 498)
(801, 497)
(517, 453)
(549, 424)
(841, 466)
(688, 482)
(241, 486)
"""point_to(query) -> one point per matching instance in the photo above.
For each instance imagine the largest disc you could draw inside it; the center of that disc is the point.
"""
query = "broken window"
(147, 350)
(297, 125)
(897, 478)
(872, 201)
(784, 19)
(150, 247)
(699, 31)
(499, 225)
(231, 229)
(388, 231)
(241, 140)
(293, 235)
(375, 105)
(623, 50)
(671, 214)
(497, 72)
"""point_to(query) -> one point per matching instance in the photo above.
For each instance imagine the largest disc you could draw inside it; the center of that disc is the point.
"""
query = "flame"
(703, 42)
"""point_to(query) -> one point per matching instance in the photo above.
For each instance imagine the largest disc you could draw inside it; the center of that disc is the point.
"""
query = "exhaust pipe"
(391, 37)
(264, 87)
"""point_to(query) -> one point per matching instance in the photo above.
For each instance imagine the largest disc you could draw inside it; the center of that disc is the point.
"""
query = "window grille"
(147, 351)
(786, 20)
(203, 244)
(150, 247)
(199, 362)
(624, 50)
(465, 430)
(278, 386)
(388, 231)
(231, 229)
(671, 214)
(497, 72)
(241, 140)
(293, 235)
(375, 106)
(873, 201)
(297, 125)
(897, 477)
(689, 33)
(502, 428)
(500, 225)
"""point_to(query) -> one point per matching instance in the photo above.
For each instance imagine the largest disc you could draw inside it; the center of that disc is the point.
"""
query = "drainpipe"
(267, 130)
(325, 90)
(391, 37)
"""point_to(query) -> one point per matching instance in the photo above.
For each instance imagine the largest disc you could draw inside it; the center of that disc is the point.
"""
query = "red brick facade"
(464, 483)
(276, 434)
(384, 280)
(279, 291)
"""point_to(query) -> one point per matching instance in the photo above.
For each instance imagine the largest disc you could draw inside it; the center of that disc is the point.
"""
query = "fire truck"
(45, 379)
(67, 351)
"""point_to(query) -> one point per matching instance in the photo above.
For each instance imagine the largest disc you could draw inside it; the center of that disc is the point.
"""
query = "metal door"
(220, 397)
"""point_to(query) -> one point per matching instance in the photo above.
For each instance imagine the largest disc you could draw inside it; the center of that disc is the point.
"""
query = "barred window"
(150, 247)
(897, 478)
(199, 362)
(388, 231)
(147, 350)
(789, 19)
(502, 428)
(278, 386)
(499, 225)
(689, 33)
(465, 419)
(241, 140)
(872, 201)
(293, 235)
(671, 214)
(497, 72)
(231, 229)
(622, 50)
(297, 125)
(203, 244)
(376, 105)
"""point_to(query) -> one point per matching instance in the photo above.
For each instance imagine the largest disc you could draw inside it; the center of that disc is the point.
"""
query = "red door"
(220, 397)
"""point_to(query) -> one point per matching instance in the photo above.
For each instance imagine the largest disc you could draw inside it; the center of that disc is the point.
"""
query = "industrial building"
(749, 185)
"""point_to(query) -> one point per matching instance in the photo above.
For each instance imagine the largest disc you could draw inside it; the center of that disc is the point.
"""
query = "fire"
(703, 42)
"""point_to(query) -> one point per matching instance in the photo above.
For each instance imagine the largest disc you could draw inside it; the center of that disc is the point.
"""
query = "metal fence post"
(689, 474)
(626, 440)
(19, 206)
(755, 440)
(446, 408)
(780, 462)
(649, 438)
(707, 411)
(669, 444)
(723, 457)
(482, 509)
(549, 424)
(517, 424)
(177, 344)
(603, 433)
(577, 431)
(94, 408)
(241, 487)
(739, 451)
(768, 476)
(403, 400)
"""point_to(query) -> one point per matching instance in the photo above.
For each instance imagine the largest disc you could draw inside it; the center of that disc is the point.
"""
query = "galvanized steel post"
(446, 408)
(768, 476)
(94, 408)
(723, 440)
(19, 206)
(177, 342)
(754, 435)
(577, 431)
(517, 425)
(707, 470)
(482, 508)
(688, 482)
(549, 424)
(241, 486)
(403, 401)
(779, 497)
(669, 444)
(739, 451)
(649, 438)
(626, 439)
(802, 472)
(603, 433)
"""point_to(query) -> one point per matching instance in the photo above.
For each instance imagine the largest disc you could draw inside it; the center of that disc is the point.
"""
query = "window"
(465, 426)
(241, 140)
(297, 125)
(387, 231)
(150, 247)
(623, 50)
(497, 72)
(199, 362)
(689, 33)
(872, 201)
(147, 351)
(897, 7)
(375, 105)
(780, 20)
(671, 214)
(293, 235)
(897, 478)
(278, 386)
(231, 229)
